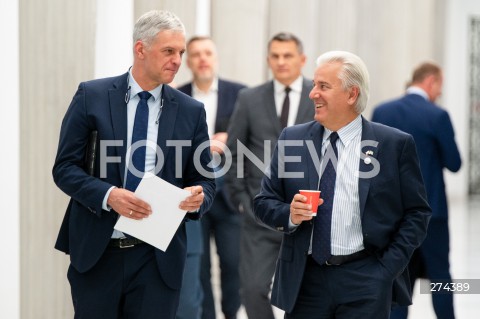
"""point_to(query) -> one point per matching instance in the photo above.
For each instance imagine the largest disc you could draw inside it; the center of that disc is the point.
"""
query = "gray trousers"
(259, 248)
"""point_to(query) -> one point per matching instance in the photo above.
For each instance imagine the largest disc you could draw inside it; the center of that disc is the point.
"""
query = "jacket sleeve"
(270, 204)
(412, 228)
(202, 175)
(238, 131)
(450, 156)
(68, 170)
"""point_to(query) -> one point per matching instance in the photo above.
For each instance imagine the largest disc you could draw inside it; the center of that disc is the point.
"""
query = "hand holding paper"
(195, 200)
(167, 215)
(127, 204)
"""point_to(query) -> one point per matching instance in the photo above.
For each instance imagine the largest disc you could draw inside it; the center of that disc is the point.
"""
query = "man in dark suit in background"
(349, 261)
(222, 221)
(260, 115)
(113, 275)
(417, 114)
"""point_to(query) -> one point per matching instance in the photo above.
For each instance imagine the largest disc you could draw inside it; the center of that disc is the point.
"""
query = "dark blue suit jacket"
(100, 105)
(433, 133)
(393, 206)
(227, 95)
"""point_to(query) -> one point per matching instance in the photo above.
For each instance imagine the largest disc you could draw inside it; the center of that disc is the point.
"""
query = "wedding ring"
(131, 212)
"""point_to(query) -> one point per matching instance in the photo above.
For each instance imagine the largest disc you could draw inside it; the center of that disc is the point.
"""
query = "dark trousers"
(124, 284)
(357, 290)
(191, 293)
(431, 261)
(224, 225)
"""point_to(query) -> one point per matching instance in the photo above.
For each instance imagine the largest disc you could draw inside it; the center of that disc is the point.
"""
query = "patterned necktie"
(321, 244)
(136, 167)
(285, 109)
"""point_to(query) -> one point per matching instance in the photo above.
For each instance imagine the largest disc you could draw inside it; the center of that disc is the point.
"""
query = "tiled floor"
(465, 264)
(464, 258)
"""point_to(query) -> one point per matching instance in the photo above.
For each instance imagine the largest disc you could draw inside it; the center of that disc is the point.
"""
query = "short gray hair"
(151, 23)
(353, 73)
(287, 37)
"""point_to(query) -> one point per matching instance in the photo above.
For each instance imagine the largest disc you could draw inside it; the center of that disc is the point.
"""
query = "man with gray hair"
(112, 274)
(349, 261)
(260, 114)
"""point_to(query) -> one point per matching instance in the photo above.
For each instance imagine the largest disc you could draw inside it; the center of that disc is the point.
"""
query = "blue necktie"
(140, 127)
(322, 229)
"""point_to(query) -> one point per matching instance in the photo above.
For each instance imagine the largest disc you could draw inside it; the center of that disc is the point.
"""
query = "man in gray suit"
(260, 115)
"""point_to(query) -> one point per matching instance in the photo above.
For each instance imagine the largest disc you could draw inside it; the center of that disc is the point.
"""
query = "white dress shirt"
(346, 235)
(210, 102)
(418, 91)
(294, 96)
(155, 104)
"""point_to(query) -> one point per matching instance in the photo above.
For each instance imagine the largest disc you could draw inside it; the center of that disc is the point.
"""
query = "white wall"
(113, 42)
(240, 28)
(9, 162)
(202, 23)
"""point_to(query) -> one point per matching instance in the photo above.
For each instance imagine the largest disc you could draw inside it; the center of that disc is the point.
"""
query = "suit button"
(365, 235)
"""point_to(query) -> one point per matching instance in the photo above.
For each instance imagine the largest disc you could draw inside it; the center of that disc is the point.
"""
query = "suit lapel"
(268, 104)
(221, 102)
(188, 89)
(167, 121)
(316, 135)
(118, 113)
(368, 134)
(306, 105)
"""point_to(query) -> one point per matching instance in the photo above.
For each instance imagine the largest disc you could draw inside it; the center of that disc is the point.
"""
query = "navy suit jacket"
(100, 105)
(227, 95)
(393, 206)
(433, 133)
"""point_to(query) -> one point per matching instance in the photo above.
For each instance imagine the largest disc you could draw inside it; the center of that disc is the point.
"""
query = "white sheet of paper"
(159, 228)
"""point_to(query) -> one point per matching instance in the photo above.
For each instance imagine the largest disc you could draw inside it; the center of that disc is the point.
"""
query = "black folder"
(91, 153)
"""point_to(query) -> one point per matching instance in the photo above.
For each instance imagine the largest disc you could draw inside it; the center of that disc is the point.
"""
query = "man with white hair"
(349, 261)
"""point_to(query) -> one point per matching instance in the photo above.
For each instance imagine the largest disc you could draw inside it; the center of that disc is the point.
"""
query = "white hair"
(353, 73)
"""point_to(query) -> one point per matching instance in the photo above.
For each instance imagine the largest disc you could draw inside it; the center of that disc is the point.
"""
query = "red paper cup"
(312, 199)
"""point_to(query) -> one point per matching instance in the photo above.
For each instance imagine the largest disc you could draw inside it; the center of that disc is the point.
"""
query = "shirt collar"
(213, 88)
(346, 133)
(296, 85)
(418, 91)
(135, 88)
